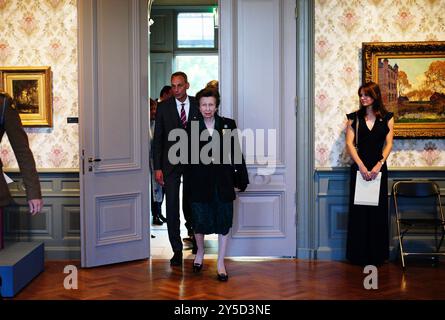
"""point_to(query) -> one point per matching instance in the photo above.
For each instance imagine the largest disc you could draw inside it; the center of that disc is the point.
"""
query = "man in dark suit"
(174, 113)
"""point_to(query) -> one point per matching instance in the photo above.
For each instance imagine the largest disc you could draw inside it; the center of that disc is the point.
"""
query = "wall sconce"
(150, 23)
(216, 17)
(150, 20)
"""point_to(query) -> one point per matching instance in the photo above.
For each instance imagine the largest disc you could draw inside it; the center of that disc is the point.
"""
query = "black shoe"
(189, 239)
(152, 236)
(157, 221)
(177, 259)
(223, 276)
(162, 218)
(197, 267)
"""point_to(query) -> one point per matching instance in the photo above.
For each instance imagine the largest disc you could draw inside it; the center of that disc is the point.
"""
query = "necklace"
(210, 124)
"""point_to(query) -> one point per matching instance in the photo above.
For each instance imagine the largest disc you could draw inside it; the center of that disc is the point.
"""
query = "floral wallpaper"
(44, 33)
(340, 28)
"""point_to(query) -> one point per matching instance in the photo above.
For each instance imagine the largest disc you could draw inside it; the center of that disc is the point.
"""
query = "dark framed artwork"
(411, 76)
(31, 89)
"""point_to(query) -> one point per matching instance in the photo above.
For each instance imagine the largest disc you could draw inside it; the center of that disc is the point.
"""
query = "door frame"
(307, 221)
(87, 46)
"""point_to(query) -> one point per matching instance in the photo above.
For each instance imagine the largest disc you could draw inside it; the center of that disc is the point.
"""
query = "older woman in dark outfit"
(368, 226)
(212, 180)
(11, 124)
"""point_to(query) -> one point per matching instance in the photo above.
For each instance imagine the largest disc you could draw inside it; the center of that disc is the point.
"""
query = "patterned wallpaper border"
(340, 28)
(44, 33)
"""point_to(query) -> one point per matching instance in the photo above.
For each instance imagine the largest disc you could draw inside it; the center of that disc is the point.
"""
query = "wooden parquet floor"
(275, 279)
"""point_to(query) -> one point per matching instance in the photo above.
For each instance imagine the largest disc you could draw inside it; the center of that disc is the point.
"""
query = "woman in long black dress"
(368, 226)
(212, 177)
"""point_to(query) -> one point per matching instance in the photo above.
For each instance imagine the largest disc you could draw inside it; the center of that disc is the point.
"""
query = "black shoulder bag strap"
(2, 114)
(356, 131)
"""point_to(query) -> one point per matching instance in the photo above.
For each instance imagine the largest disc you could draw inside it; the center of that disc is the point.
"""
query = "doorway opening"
(182, 38)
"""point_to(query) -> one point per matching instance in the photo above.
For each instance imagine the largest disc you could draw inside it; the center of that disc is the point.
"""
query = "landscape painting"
(411, 77)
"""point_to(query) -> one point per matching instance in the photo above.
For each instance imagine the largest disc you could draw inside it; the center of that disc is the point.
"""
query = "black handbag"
(239, 171)
(236, 178)
(240, 178)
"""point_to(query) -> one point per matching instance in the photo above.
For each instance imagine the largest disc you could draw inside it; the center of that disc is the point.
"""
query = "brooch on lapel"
(225, 129)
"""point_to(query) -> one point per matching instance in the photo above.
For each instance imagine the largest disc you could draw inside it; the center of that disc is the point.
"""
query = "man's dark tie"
(183, 116)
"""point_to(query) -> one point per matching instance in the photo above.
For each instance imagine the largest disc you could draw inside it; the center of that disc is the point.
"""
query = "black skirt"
(212, 217)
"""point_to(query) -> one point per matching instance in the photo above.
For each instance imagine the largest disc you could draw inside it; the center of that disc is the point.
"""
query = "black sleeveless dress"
(368, 226)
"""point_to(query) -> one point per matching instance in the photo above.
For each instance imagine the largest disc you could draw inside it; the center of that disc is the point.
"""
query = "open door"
(258, 88)
(113, 97)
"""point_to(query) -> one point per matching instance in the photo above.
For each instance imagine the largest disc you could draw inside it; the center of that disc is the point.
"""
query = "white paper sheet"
(8, 179)
(367, 192)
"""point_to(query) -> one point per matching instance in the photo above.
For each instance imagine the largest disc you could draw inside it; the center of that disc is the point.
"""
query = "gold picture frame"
(31, 89)
(408, 74)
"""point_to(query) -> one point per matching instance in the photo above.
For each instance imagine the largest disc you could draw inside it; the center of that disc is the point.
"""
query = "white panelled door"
(113, 86)
(160, 71)
(258, 89)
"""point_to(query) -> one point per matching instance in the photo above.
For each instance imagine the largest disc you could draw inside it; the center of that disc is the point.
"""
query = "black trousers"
(156, 207)
(171, 188)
